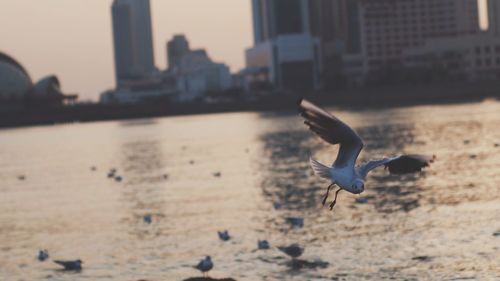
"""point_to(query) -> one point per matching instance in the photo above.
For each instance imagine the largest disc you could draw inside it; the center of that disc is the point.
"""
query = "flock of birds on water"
(343, 173)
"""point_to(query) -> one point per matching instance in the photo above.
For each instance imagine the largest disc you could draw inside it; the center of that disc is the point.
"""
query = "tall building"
(279, 17)
(177, 48)
(285, 52)
(389, 27)
(133, 39)
(336, 22)
(494, 17)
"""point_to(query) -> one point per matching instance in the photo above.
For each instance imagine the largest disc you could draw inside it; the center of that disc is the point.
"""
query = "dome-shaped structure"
(14, 80)
(47, 86)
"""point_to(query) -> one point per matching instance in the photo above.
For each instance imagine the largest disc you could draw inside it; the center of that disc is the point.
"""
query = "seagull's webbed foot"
(335, 200)
(327, 193)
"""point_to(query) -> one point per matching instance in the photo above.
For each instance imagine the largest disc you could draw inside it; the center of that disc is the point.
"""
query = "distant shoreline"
(352, 99)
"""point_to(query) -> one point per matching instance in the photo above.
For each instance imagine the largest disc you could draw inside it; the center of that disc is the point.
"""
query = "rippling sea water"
(438, 225)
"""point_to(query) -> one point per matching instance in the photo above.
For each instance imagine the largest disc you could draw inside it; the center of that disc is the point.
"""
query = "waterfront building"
(389, 27)
(494, 17)
(284, 50)
(198, 75)
(176, 49)
(16, 86)
(133, 40)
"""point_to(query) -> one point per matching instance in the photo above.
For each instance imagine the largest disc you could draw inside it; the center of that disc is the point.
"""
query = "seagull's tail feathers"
(320, 169)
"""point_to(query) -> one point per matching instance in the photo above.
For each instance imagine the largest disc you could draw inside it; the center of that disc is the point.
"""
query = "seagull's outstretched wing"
(398, 165)
(320, 169)
(333, 131)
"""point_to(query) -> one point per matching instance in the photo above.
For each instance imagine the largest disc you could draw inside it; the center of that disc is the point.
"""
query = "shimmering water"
(435, 226)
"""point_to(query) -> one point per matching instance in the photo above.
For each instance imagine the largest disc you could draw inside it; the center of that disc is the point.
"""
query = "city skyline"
(69, 42)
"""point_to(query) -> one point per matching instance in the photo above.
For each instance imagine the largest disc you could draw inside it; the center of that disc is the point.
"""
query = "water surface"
(438, 225)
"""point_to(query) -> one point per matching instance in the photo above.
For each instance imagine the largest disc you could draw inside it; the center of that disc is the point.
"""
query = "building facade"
(198, 75)
(389, 27)
(176, 49)
(133, 39)
(494, 17)
(285, 52)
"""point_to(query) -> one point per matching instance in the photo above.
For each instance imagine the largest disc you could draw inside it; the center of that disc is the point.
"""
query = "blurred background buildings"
(17, 88)
(316, 45)
(300, 46)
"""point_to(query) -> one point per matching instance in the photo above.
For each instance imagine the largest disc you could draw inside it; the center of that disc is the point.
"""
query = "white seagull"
(205, 265)
(344, 171)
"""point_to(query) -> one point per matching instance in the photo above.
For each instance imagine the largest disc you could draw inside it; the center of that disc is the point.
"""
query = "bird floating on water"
(344, 171)
(277, 205)
(205, 265)
(295, 222)
(224, 235)
(263, 245)
(70, 265)
(43, 255)
(294, 250)
(112, 173)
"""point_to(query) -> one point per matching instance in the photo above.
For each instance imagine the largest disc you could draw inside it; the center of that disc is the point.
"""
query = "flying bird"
(344, 172)
(70, 265)
(205, 265)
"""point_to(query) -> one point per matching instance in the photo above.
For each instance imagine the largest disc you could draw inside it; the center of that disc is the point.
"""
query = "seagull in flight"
(344, 172)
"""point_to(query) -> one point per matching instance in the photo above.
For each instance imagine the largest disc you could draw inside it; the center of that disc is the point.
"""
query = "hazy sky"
(72, 38)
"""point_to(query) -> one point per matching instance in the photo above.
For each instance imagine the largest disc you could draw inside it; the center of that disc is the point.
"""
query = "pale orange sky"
(72, 38)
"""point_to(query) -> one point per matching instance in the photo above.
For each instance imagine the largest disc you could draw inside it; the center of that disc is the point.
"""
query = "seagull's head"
(358, 186)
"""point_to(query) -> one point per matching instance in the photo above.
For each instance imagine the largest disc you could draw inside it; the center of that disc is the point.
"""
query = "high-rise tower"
(133, 39)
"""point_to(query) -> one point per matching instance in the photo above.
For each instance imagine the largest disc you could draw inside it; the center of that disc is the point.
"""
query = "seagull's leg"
(327, 192)
(335, 200)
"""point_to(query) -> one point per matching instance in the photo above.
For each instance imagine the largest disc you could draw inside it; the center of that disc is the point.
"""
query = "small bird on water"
(344, 171)
(43, 255)
(295, 222)
(263, 245)
(294, 250)
(224, 235)
(70, 265)
(205, 265)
